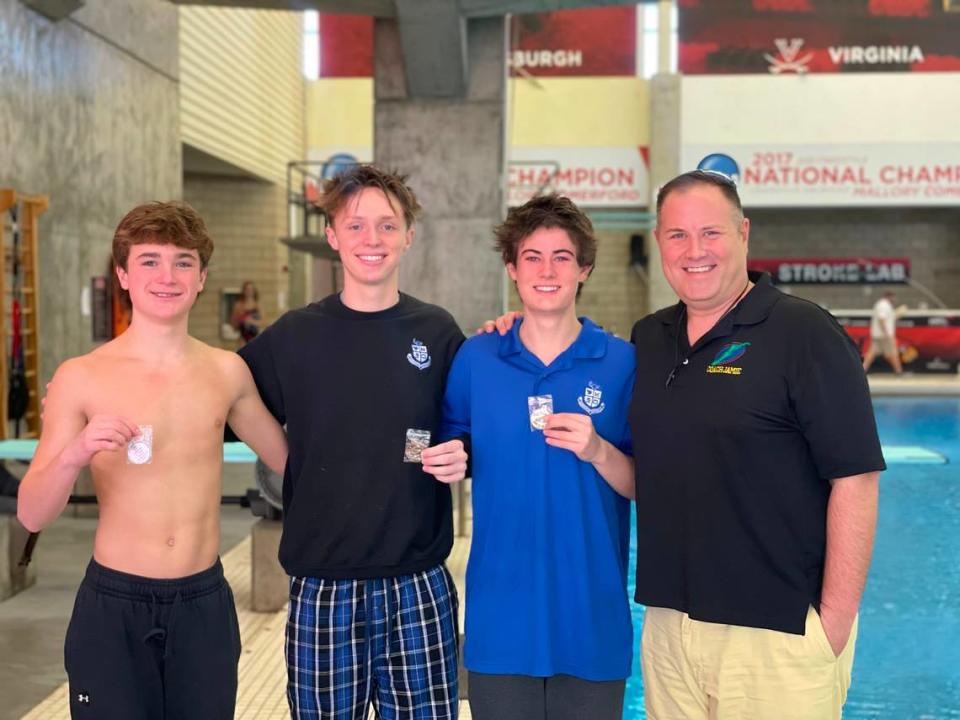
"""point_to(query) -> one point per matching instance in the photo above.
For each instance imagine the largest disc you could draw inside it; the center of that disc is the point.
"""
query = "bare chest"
(183, 409)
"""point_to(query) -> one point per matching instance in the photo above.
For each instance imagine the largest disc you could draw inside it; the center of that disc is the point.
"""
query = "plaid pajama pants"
(389, 642)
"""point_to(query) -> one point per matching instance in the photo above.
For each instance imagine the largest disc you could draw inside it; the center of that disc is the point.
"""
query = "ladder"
(27, 209)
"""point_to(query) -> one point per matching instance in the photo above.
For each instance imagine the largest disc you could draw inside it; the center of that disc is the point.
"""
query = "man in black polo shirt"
(757, 464)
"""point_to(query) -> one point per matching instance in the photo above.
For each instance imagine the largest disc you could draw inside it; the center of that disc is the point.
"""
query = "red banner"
(799, 36)
(346, 46)
(588, 41)
(842, 271)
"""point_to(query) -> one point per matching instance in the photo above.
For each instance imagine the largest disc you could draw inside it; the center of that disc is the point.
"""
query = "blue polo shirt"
(547, 575)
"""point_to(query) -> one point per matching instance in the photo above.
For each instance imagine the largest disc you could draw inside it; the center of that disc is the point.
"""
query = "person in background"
(245, 315)
(883, 333)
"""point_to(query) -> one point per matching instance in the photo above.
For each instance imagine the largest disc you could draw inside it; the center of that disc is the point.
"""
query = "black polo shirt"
(736, 440)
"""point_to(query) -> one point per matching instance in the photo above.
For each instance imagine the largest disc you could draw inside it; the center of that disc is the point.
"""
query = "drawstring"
(163, 635)
(168, 650)
(156, 631)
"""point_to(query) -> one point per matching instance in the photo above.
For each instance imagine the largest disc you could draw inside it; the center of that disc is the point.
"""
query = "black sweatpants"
(559, 697)
(146, 649)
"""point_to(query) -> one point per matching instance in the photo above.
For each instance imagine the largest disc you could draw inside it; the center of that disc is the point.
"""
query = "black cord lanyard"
(676, 345)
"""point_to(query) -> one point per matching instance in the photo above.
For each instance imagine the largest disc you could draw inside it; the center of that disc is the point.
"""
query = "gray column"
(453, 151)
(664, 165)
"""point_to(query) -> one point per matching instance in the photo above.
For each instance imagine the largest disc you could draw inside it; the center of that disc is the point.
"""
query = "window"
(649, 17)
(311, 45)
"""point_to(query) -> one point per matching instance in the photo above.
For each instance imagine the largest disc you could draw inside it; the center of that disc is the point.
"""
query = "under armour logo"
(83, 698)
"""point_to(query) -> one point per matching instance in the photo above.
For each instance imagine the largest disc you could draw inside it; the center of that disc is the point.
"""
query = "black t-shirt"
(349, 385)
(736, 441)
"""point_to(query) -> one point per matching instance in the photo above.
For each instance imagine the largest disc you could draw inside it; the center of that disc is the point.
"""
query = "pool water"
(907, 664)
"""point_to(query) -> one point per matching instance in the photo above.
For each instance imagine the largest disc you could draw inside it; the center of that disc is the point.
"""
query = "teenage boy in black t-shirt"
(373, 610)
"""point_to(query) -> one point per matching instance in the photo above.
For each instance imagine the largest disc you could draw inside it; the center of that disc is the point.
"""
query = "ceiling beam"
(374, 8)
(488, 8)
(433, 35)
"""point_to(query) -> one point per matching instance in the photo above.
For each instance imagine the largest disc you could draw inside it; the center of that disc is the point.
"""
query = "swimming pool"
(907, 664)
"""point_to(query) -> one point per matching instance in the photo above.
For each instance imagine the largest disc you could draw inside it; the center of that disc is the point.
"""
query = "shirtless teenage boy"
(154, 631)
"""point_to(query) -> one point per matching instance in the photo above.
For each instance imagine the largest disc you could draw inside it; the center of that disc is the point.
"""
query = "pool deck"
(262, 672)
(936, 385)
(35, 687)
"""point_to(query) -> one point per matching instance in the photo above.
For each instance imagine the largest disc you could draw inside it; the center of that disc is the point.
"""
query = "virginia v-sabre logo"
(729, 353)
(419, 356)
(788, 57)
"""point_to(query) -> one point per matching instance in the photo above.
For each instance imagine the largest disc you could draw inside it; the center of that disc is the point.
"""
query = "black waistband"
(162, 590)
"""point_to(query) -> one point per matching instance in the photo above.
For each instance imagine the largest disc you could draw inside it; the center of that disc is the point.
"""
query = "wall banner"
(818, 36)
(834, 270)
(590, 176)
(584, 41)
(580, 42)
(774, 175)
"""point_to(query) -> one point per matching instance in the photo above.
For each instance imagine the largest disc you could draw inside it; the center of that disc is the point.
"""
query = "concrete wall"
(243, 103)
(453, 151)
(89, 116)
(246, 218)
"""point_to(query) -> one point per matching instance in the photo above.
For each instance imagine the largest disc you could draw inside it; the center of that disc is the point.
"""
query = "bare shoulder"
(75, 379)
(73, 373)
(83, 369)
(227, 363)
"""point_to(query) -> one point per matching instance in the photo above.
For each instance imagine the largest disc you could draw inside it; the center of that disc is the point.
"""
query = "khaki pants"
(694, 670)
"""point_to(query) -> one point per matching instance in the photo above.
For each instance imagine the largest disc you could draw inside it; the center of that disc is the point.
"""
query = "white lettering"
(546, 58)
(875, 54)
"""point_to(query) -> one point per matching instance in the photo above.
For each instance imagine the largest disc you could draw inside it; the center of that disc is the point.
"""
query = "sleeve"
(456, 399)
(259, 355)
(625, 445)
(832, 403)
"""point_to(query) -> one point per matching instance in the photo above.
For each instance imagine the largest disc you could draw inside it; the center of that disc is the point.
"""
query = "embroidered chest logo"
(591, 400)
(419, 356)
(83, 697)
(729, 353)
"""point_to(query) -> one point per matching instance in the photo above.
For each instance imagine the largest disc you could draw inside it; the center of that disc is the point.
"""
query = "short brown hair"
(546, 211)
(724, 183)
(338, 190)
(169, 223)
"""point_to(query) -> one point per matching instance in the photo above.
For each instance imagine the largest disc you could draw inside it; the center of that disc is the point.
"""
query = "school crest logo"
(419, 356)
(591, 402)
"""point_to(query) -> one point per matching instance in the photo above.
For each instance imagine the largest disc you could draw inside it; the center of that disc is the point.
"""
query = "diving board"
(912, 455)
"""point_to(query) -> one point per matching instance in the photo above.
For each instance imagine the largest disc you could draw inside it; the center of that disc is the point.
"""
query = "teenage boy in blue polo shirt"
(548, 631)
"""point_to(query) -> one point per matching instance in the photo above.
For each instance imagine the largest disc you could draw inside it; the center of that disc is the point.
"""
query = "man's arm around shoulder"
(68, 443)
(249, 417)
